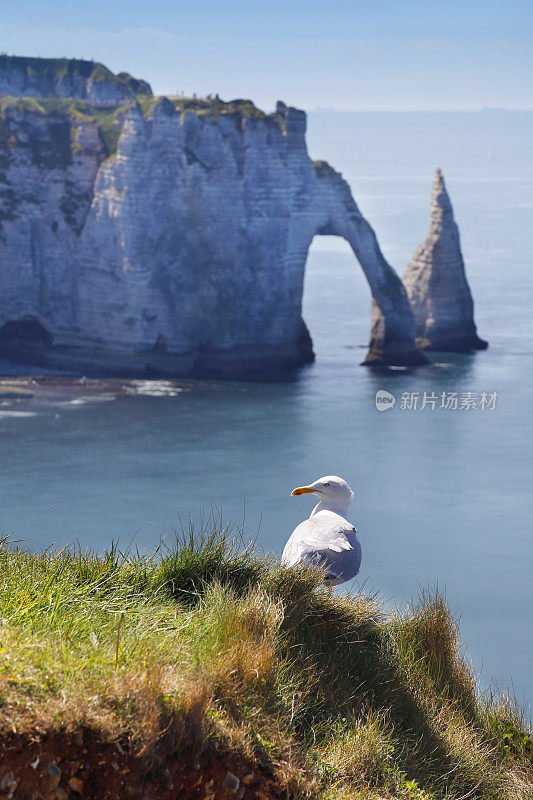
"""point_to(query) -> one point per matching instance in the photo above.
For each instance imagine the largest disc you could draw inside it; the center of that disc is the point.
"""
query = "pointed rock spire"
(436, 283)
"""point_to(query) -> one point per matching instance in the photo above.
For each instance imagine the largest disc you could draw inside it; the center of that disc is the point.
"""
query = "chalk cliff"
(170, 236)
(436, 283)
(63, 77)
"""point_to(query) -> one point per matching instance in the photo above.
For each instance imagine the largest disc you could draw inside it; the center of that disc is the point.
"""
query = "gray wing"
(326, 540)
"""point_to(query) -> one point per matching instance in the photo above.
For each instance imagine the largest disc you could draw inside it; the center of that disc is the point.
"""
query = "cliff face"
(62, 77)
(172, 238)
(436, 283)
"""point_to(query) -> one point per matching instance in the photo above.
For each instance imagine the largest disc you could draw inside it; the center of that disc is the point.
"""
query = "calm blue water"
(441, 496)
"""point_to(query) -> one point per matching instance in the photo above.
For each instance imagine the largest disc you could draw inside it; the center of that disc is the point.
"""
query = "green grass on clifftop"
(49, 72)
(208, 650)
(13, 129)
(68, 111)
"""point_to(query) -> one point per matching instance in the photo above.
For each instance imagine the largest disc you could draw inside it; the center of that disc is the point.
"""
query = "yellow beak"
(302, 490)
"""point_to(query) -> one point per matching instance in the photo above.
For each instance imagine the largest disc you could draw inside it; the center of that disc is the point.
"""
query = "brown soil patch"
(73, 766)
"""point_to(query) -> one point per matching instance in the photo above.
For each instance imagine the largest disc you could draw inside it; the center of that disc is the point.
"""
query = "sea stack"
(436, 283)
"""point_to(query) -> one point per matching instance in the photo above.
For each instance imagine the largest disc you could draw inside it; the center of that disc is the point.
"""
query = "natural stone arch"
(197, 233)
(392, 332)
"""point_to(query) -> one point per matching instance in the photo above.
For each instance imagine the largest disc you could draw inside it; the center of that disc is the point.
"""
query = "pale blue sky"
(343, 54)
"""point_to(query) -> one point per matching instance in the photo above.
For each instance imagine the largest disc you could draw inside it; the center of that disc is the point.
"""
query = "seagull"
(326, 539)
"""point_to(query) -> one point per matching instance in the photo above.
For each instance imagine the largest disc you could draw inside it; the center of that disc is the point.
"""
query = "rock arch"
(393, 328)
(192, 256)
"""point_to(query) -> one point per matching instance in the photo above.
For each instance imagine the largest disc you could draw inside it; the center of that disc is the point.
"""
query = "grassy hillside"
(209, 671)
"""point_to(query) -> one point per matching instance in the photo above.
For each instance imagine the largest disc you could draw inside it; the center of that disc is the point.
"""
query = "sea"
(442, 479)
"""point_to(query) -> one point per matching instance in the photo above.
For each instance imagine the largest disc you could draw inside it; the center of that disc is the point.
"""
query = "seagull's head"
(330, 489)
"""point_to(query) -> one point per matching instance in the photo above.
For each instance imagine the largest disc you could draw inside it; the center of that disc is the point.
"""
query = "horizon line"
(486, 109)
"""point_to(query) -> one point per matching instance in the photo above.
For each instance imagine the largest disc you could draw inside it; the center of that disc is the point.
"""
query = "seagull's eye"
(325, 484)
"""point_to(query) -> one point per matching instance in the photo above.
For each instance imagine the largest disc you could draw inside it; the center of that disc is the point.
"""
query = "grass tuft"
(214, 554)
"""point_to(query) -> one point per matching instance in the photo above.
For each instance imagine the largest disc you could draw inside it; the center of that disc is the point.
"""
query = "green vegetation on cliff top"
(50, 71)
(207, 654)
(80, 109)
(206, 106)
(110, 118)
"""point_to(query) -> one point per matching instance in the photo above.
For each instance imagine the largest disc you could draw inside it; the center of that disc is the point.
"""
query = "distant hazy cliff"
(171, 236)
(62, 77)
